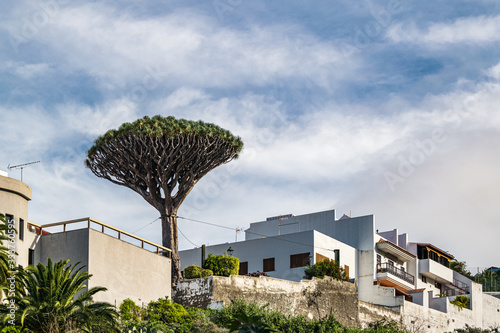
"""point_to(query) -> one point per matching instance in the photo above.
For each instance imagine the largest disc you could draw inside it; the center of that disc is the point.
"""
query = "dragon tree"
(162, 158)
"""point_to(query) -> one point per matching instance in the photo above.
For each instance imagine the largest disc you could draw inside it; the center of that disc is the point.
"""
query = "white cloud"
(479, 29)
(185, 48)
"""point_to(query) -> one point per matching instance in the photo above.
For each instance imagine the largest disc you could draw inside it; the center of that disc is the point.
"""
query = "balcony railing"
(90, 222)
(386, 268)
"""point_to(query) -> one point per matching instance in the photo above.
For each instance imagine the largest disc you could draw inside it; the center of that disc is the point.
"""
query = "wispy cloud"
(478, 29)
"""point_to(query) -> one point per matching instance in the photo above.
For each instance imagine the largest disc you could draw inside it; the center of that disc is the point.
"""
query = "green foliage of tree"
(460, 267)
(5, 265)
(195, 271)
(325, 268)
(48, 301)
(461, 301)
(166, 311)
(490, 279)
(130, 312)
(222, 265)
(162, 159)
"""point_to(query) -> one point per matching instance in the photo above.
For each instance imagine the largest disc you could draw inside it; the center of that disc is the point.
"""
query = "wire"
(147, 225)
(186, 237)
(253, 233)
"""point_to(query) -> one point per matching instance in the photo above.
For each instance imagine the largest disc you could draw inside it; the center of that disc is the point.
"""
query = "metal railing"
(386, 268)
(103, 226)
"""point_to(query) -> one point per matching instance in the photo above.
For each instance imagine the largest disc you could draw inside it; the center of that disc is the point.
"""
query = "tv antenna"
(21, 166)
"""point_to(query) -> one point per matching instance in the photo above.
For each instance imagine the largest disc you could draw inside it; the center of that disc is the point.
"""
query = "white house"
(390, 270)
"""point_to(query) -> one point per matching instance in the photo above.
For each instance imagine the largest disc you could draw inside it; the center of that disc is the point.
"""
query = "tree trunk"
(170, 239)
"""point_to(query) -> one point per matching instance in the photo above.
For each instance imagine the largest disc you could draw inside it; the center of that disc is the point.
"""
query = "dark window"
(424, 279)
(444, 261)
(434, 256)
(337, 256)
(390, 263)
(268, 265)
(437, 285)
(379, 261)
(31, 257)
(422, 252)
(9, 218)
(299, 260)
(402, 269)
(243, 268)
(21, 229)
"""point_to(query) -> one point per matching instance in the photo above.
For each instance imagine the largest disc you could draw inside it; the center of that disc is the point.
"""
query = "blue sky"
(385, 108)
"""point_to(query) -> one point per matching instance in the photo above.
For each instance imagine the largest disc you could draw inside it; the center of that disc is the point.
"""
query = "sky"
(372, 107)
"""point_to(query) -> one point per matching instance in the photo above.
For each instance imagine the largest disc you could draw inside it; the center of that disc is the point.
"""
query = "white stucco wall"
(280, 248)
(125, 269)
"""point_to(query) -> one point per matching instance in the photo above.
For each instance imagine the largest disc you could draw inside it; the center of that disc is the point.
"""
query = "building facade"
(117, 260)
(390, 271)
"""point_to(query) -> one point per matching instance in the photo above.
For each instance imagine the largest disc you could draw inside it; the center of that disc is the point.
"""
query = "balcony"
(391, 276)
(434, 270)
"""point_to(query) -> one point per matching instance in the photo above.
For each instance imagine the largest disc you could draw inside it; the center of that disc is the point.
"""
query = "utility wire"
(147, 225)
(186, 237)
(253, 233)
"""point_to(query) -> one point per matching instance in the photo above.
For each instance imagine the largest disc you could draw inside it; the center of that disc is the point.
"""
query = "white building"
(390, 270)
(116, 259)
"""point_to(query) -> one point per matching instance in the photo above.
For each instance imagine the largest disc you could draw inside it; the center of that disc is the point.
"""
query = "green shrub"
(222, 265)
(167, 312)
(129, 311)
(326, 267)
(195, 271)
(461, 302)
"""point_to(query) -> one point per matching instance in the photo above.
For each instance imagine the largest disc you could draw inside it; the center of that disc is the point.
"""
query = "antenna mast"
(21, 166)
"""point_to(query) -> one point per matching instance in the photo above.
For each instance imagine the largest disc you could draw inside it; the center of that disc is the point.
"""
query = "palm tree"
(54, 300)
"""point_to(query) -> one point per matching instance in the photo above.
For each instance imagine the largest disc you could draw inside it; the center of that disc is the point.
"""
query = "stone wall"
(316, 298)
(310, 298)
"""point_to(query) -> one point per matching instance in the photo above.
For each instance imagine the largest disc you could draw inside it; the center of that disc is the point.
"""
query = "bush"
(195, 271)
(325, 267)
(167, 312)
(130, 312)
(461, 302)
(222, 265)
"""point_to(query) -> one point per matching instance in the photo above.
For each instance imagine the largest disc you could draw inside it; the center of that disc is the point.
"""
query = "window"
(424, 279)
(379, 261)
(299, 260)
(402, 269)
(21, 229)
(422, 252)
(268, 265)
(437, 285)
(444, 261)
(243, 268)
(434, 256)
(9, 218)
(390, 263)
(31, 257)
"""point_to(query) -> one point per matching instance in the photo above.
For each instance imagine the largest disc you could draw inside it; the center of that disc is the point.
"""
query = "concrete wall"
(280, 248)
(14, 197)
(290, 225)
(491, 311)
(125, 269)
(285, 296)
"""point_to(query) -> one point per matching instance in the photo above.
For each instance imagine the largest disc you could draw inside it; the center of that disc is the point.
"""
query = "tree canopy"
(162, 158)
